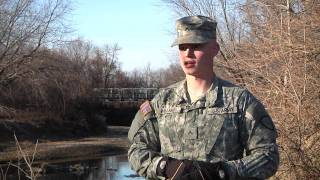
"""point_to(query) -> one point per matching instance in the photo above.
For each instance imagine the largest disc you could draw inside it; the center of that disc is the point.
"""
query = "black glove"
(212, 171)
(171, 168)
(174, 169)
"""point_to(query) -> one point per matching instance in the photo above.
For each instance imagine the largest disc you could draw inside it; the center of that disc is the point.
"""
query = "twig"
(27, 160)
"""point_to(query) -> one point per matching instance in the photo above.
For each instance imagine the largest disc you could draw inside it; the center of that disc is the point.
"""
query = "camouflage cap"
(195, 29)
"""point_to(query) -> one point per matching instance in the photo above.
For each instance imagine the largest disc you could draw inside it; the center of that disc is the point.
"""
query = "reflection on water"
(106, 168)
(112, 168)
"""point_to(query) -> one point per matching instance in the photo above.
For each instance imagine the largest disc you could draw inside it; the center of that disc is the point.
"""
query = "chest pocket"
(168, 122)
(222, 128)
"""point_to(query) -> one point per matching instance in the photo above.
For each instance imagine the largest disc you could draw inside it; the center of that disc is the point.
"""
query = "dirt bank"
(112, 143)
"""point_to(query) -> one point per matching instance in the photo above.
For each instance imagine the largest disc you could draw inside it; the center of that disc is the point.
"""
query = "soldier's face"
(197, 59)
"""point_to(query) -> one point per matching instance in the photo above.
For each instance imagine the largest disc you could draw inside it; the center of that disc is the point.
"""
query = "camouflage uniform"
(227, 124)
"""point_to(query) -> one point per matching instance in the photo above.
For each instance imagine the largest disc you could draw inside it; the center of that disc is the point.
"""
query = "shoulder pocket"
(257, 112)
(138, 121)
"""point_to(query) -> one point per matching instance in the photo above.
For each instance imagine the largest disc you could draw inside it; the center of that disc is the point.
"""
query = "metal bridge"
(113, 95)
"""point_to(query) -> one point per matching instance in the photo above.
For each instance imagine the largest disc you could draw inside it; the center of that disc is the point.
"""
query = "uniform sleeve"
(258, 135)
(144, 150)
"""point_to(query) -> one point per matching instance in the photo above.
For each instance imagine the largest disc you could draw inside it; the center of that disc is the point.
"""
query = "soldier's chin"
(189, 71)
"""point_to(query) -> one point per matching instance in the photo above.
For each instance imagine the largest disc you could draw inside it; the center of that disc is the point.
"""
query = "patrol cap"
(195, 30)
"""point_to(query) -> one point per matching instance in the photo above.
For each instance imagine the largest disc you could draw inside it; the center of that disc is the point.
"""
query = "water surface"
(104, 168)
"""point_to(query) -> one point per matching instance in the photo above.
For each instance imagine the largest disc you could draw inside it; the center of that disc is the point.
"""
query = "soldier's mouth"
(189, 64)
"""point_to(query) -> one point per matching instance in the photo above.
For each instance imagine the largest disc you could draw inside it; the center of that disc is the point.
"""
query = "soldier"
(203, 127)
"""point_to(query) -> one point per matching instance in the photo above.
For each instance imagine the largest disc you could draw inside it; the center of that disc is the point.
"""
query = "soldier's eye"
(196, 46)
(183, 48)
(193, 47)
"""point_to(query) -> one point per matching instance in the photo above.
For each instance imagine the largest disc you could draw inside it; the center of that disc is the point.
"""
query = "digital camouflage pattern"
(195, 29)
(227, 124)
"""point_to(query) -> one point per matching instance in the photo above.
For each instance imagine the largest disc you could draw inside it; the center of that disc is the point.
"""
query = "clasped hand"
(191, 170)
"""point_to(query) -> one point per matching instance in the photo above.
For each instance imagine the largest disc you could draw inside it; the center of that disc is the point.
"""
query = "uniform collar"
(211, 96)
(181, 92)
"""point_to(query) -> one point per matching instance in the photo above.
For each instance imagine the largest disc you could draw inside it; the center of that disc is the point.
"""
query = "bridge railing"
(126, 94)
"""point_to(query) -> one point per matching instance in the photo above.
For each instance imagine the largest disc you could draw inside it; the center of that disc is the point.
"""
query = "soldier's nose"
(189, 52)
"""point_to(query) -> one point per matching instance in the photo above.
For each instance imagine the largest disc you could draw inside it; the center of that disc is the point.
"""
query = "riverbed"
(91, 158)
(103, 168)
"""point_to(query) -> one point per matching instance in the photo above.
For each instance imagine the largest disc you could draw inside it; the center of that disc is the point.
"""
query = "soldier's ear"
(216, 48)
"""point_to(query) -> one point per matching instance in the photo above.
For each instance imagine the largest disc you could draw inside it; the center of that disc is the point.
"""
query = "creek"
(103, 168)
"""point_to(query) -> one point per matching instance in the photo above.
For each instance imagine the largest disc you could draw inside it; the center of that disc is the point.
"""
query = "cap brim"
(189, 40)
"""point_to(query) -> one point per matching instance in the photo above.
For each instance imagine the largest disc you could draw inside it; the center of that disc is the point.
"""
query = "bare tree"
(283, 70)
(111, 63)
(80, 52)
(25, 26)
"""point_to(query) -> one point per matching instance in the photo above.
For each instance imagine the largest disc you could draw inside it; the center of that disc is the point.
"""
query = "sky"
(144, 30)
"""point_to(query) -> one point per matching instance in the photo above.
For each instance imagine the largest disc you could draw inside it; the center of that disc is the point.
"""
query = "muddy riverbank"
(113, 142)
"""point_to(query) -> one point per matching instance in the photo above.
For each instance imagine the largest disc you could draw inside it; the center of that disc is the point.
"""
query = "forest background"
(272, 47)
